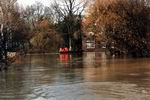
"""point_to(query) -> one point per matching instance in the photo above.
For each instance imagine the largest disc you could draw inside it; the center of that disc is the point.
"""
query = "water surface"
(91, 76)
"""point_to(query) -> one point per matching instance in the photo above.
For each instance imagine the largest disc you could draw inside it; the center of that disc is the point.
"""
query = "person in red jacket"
(61, 50)
(66, 49)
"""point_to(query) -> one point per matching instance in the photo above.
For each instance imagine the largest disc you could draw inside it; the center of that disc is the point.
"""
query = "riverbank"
(11, 58)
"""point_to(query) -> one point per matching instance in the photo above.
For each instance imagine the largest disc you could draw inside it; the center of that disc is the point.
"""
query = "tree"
(46, 39)
(36, 13)
(41, 22)
(125, 24)
(6, 8)
(69, 22)
(33, 14)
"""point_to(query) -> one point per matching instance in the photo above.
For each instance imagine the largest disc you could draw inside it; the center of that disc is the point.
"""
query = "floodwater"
(91, 76)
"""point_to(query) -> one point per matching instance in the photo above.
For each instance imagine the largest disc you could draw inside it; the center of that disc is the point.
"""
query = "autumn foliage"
(125, 23)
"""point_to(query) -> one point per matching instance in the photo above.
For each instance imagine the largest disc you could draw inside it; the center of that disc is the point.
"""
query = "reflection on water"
(90, 76)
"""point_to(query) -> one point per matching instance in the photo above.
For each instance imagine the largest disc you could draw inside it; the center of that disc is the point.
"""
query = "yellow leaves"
(38, 40)
(45, 41)
(43, 25)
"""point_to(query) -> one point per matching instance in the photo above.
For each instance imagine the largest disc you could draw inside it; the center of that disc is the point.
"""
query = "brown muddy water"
(91, 76)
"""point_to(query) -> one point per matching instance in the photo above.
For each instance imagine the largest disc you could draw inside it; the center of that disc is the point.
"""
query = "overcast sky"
(30, 2)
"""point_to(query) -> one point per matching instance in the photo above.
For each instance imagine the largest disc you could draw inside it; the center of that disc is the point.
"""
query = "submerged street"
(91, 76)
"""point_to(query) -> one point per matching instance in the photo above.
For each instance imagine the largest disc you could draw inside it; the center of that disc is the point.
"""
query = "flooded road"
(91, 76)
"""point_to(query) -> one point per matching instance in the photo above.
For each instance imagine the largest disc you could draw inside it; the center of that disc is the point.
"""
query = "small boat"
(63, 50)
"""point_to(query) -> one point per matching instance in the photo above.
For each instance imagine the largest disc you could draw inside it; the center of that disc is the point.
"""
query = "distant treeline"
(124, 25)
